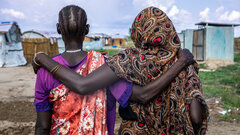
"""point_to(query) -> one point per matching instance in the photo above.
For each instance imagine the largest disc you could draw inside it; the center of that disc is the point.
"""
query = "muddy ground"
(17, 112)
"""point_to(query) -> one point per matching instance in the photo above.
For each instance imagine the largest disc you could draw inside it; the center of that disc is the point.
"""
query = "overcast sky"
(116, 16)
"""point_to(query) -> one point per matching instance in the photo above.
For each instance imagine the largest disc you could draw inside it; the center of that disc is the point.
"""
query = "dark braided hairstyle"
(72, 20)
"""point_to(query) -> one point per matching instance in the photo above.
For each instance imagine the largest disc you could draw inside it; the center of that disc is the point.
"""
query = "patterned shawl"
(75, 114)
(156, 50)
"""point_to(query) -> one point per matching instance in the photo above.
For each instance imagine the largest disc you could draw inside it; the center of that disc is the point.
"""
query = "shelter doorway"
(198, 44)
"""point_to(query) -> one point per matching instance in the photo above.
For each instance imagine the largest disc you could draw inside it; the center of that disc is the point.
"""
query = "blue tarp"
(93, 45)
(12, 55)
(11, 52)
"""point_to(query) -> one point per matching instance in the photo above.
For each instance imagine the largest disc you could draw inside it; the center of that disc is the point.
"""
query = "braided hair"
(72, 20)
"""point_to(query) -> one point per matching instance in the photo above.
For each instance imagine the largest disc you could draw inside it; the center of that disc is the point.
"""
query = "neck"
(73, 43)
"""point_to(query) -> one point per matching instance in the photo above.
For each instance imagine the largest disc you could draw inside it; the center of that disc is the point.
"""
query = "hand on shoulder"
(186, 57)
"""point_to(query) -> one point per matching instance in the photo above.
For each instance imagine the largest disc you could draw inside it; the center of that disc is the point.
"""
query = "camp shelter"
(95, 41)
(237, 44)
(211, 41)
(118, 39)
(88, 38)
(11, 52)
(40, 41)
(91, 42)
(186, 38)
(104, 38)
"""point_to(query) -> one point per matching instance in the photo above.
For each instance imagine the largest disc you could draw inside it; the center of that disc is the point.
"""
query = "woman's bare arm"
(104, 76)
(145, 93)
(43, 124)
(99, 78)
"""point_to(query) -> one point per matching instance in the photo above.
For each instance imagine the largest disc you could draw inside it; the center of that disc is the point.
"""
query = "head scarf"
(153, 29)
(157, 44)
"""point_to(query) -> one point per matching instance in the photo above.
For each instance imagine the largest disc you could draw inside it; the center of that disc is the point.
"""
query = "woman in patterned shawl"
(157, 44)
(177, 105)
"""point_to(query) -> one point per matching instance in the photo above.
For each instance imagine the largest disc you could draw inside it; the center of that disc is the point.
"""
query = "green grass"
(224, 82)
(203, 66)
(229, 117)
(236, 57)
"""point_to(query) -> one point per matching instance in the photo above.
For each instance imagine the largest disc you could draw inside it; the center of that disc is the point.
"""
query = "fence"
(32, 46)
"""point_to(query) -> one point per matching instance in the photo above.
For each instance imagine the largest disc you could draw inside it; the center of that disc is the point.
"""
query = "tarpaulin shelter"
(11, 52)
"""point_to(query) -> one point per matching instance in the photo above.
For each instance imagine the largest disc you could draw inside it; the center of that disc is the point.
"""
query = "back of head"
(152, 28)
(72, 21)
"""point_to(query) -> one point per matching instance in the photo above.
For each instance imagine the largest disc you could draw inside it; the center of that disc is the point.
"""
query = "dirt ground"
(17, 112)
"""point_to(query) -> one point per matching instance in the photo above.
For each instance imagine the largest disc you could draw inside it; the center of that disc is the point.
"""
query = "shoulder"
(123, 55)
(95, 54)
(42, 72)
(92, 52)
(57, 57)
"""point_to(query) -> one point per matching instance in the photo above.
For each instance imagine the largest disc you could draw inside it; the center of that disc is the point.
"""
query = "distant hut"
(92, 42)
(237, 44)
(88, 38)
(186, 38)
(210, 41)
(41, 41)
(11, 52)
(95, 41)
(101, 36)
(118, 39)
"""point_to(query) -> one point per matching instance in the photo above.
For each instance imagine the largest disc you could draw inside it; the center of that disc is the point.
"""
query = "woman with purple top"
(63, 111)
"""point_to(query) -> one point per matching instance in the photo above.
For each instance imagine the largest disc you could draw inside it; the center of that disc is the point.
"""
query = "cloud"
(174, 11)
(14, 13)
(219, 9)
(233, 16)
(227, 16)
(204, 14)
(182, 20)
(162, 4)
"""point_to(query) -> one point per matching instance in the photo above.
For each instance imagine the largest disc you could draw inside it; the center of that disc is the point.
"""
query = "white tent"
(11, 52)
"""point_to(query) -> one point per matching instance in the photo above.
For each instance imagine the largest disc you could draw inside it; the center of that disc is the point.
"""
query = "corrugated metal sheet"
(217, 24)
(198, 44)
(219, 43)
